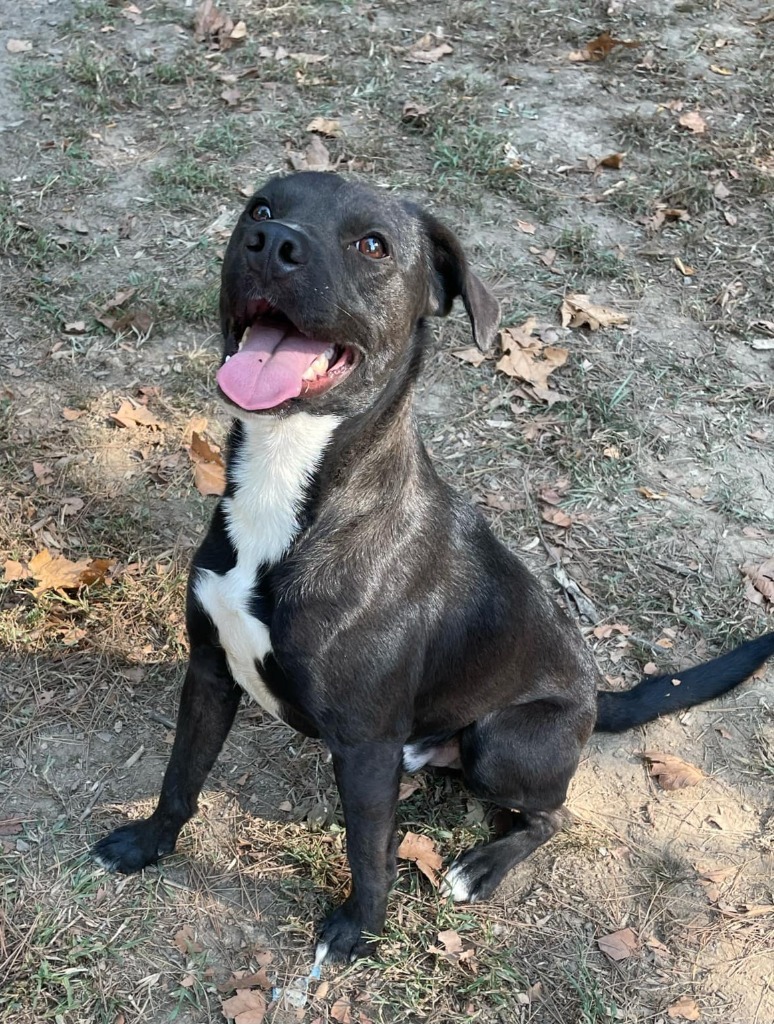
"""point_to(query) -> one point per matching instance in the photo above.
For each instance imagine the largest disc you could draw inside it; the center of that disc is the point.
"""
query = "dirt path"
(645, 472)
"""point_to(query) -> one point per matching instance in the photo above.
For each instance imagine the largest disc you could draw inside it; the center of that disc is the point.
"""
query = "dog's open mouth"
(275, 362)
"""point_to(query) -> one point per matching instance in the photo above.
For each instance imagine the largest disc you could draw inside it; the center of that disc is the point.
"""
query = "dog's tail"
(661, 695)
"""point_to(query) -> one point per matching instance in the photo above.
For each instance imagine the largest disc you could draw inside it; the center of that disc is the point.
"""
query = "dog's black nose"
(276, 249)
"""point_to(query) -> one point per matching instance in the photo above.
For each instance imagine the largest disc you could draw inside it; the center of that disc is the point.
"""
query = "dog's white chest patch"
(272, 470)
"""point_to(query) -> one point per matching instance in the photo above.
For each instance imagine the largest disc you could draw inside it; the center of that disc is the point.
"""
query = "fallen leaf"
(761, 578)
(209, 468)
(646, 492)
(599, 48)
(75, 327)
(72, 414)
(619, 945)
(471, 355)
(19, 45)
(613, 161)
(693, 121)
(746, 910)
(185, 940)
(131, 415)
(672, 772)
(684, 1009)
(493, 500)
(684, 269)
(326, 126)
(718, 69)
(341, 1011)
(415, 113)
(421, 850)
(408, 788)
(55, 572)
(15, 571)
(428, 50)
(239, 981)
(314, 158)
(557, 517)
(231, 97)
(526, 358)
(450, 940)
(215, 28)
(578, 311)
(526, 227)
(246, 1007)
(607, 629)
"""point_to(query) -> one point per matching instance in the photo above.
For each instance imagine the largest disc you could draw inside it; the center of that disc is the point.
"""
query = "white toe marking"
(456, 884)
(103, 863)
(320, 953)
(414, 757)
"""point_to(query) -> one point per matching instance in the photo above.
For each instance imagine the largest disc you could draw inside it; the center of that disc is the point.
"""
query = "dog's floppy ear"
(452, 277)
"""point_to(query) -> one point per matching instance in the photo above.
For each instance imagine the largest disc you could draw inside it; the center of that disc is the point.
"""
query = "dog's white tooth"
(226, 359)
(244, 336)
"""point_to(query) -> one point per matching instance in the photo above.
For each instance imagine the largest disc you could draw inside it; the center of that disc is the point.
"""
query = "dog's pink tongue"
(268, 368)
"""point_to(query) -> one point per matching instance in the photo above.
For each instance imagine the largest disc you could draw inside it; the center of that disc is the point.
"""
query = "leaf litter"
(421, 850)
(672, 772)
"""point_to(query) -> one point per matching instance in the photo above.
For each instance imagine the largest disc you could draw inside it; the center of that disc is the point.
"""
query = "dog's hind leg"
(207, 708)
(521, 758)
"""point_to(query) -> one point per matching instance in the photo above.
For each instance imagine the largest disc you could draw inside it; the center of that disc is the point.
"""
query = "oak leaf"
(684, 1009)
(131, 415)
(619, 945)
(421, 850)
(247, 1007)
(327, 126)
(672, 772)
(579, 311)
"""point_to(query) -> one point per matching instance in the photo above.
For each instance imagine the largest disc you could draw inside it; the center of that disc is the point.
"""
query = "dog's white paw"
(320, 953)
(456, 884)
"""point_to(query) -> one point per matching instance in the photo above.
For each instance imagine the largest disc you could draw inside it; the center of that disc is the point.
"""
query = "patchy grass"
(126, 131)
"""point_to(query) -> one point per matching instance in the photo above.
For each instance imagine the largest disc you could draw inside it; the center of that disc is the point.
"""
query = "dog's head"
(325, 285)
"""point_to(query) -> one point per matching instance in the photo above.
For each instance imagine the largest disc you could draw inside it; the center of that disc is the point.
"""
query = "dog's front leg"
(207, 708)
(368, 776)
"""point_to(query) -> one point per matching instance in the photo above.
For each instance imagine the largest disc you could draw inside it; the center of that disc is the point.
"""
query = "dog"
(348, 589)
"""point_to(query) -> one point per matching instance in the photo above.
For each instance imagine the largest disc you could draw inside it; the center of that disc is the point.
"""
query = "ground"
(128, 148)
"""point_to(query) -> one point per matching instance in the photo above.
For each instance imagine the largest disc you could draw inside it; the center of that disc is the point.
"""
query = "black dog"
(350, 590)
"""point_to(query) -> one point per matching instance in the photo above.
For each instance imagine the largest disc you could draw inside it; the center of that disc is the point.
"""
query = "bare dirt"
(127, 149)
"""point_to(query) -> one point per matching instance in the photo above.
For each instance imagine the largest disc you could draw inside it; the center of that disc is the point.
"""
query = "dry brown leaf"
(471, 355)
(408, 788)
(428, 50)
(613, 160)
(341, 1011)
(672, 772)
(75, 327)
(578, 311)
(72, 414)
(619, 945)
(761, 579)
(131, 415)
(494, 500)
(646, 492)
(55, 572)
(327, 126)
(216, 28)
(599, 48)
(746, 910)
(209, 468)
(604, 631)
(15, 571)
(450, 940)
(684, 1009)
(421, 850)
(314, 158)
(557, 517)
(19, 45)
(415, 113)
(239, 981)
(525, 227)
(186, 942)
(693, 121)
(231, 97)
(526, 358)
(246, 1007)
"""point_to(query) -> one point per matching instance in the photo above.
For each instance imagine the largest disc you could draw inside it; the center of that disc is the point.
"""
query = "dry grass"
(127, 172)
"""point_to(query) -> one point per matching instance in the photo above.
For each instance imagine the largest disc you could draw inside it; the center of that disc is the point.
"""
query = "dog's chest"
(271, 472)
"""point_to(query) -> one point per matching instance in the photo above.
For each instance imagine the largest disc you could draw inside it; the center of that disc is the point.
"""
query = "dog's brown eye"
(261, 212)
(372, 246)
